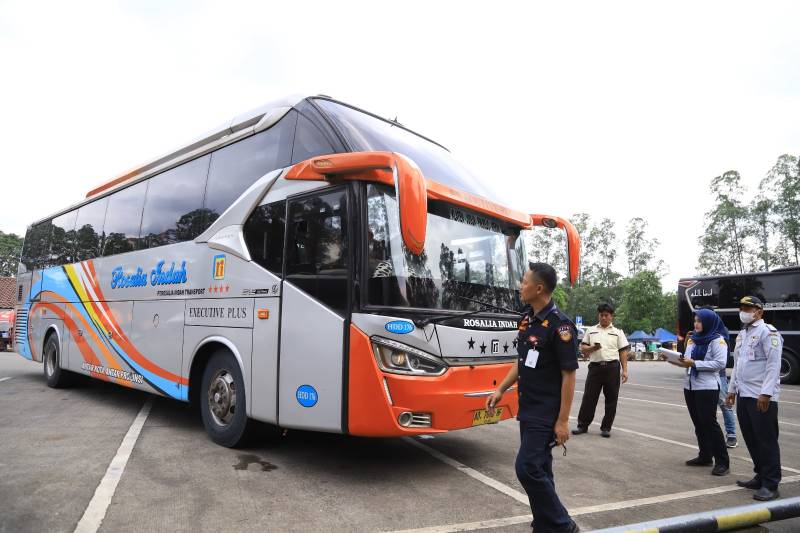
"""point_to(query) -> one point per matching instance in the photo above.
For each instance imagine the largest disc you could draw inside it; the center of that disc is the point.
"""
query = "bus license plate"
(481, 417)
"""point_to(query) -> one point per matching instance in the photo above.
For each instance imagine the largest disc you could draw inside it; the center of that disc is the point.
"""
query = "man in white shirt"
(607, 349)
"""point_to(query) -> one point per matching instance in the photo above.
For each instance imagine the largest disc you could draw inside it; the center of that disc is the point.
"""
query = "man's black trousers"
(605, 377)
(760, 432)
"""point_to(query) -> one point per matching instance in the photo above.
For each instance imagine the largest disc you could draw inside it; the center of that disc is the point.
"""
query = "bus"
(308, 265)
(778, 289)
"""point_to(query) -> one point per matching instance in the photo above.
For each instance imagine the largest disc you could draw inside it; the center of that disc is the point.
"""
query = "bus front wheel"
(222, 402)
(790, 368)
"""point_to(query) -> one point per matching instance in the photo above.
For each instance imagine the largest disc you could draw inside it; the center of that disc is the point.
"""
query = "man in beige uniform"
(606, 347)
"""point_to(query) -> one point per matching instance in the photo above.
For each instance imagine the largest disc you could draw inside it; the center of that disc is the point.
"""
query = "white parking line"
(578, 511)
(486, 480)
(677, 443)
(5, 379)
(96, 510)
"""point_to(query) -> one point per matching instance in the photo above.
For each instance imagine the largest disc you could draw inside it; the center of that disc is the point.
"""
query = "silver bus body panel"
(311, 358)
(264, 374)
(477, 343)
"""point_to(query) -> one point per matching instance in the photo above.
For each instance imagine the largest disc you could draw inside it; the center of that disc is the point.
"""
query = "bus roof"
(240, 126)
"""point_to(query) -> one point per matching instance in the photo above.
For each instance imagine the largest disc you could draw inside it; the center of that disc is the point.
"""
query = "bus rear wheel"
(222, 401)
(51, 358)
(790, 368)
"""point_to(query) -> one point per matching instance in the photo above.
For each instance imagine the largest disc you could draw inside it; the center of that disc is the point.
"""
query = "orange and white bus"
(308, 264)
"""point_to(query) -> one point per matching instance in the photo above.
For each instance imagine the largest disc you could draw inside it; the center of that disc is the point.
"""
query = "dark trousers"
(534, 467)
(702, 405)
(760, 432)
(605, 378)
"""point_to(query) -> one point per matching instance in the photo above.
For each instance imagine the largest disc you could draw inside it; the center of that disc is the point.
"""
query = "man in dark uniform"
(548, 358)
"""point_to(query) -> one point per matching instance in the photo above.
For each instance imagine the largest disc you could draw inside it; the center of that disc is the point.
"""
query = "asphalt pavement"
(56, 447)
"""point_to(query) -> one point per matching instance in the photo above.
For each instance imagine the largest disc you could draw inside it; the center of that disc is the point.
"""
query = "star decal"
(514, 343)
(505, 348)
(471, 343)
(483, 347)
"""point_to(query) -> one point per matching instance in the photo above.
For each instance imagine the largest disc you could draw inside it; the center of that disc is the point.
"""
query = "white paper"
(671, 355)
(532, 359)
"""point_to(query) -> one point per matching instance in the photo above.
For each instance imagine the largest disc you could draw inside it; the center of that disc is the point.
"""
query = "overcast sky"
(617, 109)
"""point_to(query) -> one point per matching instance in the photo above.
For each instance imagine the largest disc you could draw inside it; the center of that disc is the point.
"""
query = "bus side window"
(173, 207)
(62, 240)
(237, 166)
(317, 248)
(37, 246)
(263, 233)
(89, 235)
(123, 219)
(309, 140)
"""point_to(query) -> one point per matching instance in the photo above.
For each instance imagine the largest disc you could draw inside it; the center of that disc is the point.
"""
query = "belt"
(605, 363)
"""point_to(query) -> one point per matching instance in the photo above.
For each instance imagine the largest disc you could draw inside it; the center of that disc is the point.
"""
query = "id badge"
(532, 359)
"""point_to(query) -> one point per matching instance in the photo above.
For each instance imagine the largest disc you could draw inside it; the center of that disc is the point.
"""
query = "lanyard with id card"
(532, 358)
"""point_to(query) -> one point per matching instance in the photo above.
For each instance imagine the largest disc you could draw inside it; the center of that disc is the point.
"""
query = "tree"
(786, 177)
(642, 304)
(724, 247)
(638, 248)
(10, 250)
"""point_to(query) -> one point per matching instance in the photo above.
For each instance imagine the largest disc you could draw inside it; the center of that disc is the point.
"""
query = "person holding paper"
(706, 354)
(755, 388)
(545, 373)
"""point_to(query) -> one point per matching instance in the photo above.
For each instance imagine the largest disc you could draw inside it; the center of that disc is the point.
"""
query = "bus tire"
(55, 376)
(790, 368)
(222, 401)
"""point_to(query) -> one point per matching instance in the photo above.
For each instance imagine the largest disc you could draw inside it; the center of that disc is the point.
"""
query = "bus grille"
(20, 329)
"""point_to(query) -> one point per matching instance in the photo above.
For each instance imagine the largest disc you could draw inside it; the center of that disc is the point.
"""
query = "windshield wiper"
(435, 320)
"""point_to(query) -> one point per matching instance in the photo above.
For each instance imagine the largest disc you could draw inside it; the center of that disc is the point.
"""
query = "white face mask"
(746, 318)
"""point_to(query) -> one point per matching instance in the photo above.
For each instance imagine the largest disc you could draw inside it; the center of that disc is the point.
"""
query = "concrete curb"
(727, 519)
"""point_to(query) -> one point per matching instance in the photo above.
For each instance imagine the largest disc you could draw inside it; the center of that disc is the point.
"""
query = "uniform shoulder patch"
(722, 342)
(774, 340)
(565, 332)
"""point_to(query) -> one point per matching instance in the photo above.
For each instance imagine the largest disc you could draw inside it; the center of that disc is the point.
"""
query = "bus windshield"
(466, 255)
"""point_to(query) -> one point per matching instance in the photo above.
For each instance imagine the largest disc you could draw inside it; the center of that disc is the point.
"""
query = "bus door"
(313, 312)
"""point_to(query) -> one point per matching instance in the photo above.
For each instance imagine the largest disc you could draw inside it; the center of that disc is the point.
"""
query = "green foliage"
(756, 235)
(641, 306)
(10, 250)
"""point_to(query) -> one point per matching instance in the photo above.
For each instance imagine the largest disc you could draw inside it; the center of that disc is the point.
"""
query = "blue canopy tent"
(665, 336)
(641, 336)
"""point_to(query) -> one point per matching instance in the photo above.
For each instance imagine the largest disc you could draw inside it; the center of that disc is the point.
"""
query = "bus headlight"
(398, 358)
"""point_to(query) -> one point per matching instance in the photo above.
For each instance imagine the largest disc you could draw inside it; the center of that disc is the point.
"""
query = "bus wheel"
(790, 368)
(56, 377)
(222, 401)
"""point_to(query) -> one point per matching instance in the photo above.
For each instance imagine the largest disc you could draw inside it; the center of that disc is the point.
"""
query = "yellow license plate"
(481, 417)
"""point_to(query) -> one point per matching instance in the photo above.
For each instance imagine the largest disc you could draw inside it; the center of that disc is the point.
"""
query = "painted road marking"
(683, 406)
(96, 510)
(684, 444)
(486, 480)
(578, 511)
(5, 379)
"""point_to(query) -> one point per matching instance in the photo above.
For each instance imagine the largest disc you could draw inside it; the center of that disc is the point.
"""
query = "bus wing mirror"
(573, 242)
(383, 167)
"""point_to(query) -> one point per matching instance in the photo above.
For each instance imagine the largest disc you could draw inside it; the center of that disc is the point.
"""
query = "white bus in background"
(308, 265)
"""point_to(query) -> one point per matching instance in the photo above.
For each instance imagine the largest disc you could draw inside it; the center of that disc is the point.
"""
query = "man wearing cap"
(607, 349)
(755, 385)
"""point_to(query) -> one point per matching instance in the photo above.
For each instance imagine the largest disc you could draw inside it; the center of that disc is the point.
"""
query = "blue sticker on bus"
(399, 327)
(306, 396)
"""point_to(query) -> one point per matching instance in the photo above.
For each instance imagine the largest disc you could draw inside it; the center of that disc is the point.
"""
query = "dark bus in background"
(780, 289)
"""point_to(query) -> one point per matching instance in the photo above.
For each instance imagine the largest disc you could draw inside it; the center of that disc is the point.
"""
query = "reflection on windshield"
(465, 254)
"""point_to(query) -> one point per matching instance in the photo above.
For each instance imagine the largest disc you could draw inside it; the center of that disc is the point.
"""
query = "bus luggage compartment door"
(311, 359)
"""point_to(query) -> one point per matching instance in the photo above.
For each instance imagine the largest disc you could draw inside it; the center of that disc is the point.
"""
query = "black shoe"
(699, 462)
(764, 494)
(605, 433)
(573, 528)
(753, 484)
(579, 430)
(720, 470)
(731, 442)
